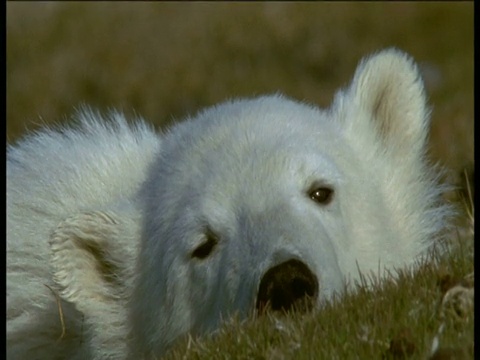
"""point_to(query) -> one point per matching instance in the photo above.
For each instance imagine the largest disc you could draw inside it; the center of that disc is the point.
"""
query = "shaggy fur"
(133, 239)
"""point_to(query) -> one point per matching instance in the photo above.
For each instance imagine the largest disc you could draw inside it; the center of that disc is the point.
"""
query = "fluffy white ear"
(93, 260)
(388, 90)
(93, 255)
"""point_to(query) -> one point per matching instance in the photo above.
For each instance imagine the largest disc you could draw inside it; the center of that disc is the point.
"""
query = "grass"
(167, 60)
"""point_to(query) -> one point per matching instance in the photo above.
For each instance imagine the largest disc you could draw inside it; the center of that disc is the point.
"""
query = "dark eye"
(321, 195)
(205, 248)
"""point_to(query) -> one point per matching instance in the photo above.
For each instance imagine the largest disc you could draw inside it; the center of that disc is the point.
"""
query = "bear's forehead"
(267, 120)
(262, 137)
(252, 148)
(267, 173)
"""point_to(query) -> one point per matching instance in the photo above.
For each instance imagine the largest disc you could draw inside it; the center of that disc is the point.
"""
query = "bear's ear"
(93, 257)
(388, 90)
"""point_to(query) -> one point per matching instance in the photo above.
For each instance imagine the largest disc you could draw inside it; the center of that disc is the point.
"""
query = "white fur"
(108, 215)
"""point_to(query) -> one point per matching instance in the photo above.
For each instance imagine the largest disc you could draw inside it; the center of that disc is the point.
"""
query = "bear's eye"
(322, 195)
(206, 247)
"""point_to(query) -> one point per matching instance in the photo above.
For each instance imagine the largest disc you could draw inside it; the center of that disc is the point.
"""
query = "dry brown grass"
(166, 60)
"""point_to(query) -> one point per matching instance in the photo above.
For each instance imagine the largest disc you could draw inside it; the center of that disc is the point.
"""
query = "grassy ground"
(167, 60)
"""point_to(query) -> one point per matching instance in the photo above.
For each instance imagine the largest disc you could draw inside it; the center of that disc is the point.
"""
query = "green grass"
(167, 60)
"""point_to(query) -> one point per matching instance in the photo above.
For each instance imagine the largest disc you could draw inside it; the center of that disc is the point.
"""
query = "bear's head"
(256, 204)
(271, 203)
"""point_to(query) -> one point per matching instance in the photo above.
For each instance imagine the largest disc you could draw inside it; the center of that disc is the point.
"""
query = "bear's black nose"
(289, 285)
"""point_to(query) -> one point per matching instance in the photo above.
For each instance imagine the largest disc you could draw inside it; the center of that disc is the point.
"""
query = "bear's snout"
(289, 285)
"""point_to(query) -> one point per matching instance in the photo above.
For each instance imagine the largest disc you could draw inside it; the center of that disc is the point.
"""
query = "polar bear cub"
(121, 240)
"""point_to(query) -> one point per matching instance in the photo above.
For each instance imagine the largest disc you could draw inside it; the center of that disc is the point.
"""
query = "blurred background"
(165, 61)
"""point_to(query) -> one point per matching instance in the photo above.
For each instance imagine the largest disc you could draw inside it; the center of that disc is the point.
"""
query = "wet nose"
(289, 285)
